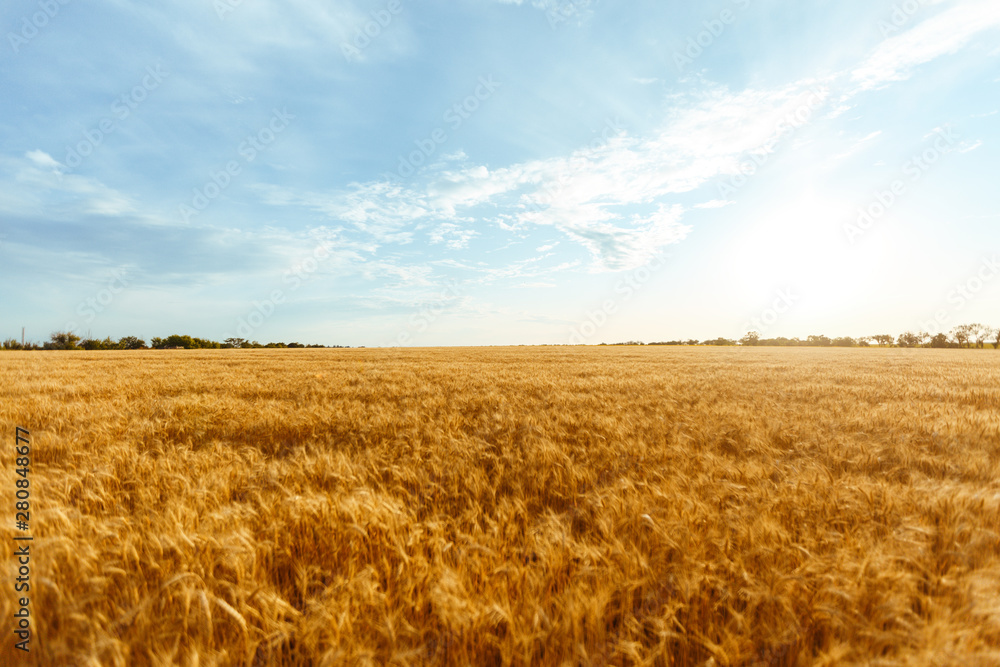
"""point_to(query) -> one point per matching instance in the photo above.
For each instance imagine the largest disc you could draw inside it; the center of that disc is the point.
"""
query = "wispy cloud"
(613, 199)
(36, 184)
(715, 203)
(943, 34)
(558, 12)
(857, 145)
(453, 236)
(970, 147)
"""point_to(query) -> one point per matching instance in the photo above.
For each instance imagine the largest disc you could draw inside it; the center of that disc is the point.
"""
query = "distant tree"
(963, 334)
(996, 337)
(939, 341)
(12, 344)
(844, 342)
(980, 334)
(177, 340)
(157, 343)
(720, 342)
(751, 339)
(131, 343)
(909, 339)
(883, 339)
(63, 340)
(236, 342)
(818, 341)
(296, 345)
(781, 341)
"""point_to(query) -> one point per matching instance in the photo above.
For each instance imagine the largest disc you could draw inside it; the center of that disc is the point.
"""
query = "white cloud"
(619, 247)
(378, 209)
(939, 35)
(840, 110)
(857, 146)
(550, 5)
(405, 276)
(715, 203)
(968, 148)
(558, 11)
(43, 159)
(35, 185)
(453, 236)
(612, 199)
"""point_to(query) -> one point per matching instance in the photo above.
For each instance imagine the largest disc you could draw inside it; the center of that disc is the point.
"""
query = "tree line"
(64, 340)
(964, 336)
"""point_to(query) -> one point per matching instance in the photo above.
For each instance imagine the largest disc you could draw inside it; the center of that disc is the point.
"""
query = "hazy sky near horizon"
(402, 172)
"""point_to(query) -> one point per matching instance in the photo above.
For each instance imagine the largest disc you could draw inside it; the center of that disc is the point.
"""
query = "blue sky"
(470, 172)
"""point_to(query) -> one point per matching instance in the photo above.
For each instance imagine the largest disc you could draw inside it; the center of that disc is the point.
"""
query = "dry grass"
(520, 506)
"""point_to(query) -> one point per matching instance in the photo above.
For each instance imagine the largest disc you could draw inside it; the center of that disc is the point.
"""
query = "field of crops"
(543, 506)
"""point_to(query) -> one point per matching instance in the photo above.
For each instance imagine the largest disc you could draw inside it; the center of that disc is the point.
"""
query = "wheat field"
(507, 506)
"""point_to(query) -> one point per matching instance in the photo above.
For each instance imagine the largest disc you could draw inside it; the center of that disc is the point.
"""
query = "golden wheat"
(544, 506)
